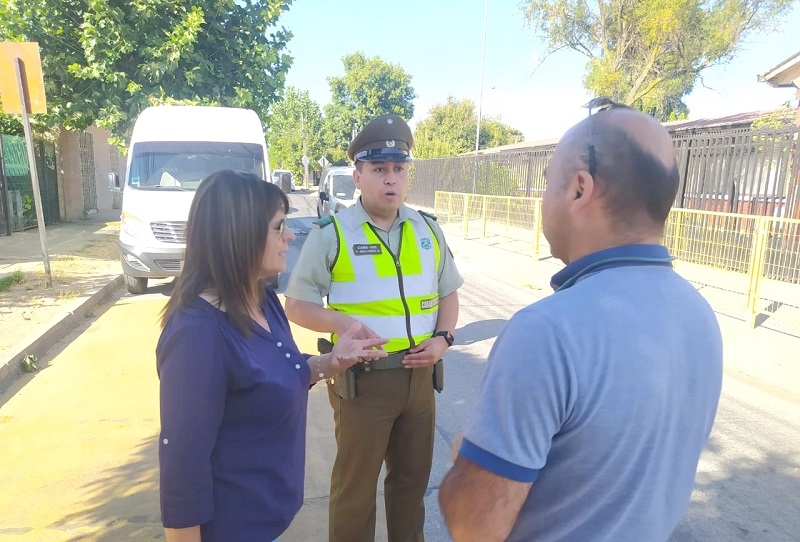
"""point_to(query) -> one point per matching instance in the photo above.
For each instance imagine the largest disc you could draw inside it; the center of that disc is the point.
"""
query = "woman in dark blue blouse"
(234, 386)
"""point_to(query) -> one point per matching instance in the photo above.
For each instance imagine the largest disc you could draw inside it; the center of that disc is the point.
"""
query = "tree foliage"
(293, 119)
(106, 60)
(650, 53)
(370, 87)
(450, 128)
(784, 116)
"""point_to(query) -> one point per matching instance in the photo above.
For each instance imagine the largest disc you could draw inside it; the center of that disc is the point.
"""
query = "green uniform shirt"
(311, 277)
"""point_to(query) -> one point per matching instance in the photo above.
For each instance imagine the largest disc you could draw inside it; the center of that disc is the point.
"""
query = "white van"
(337, 191)
(172, 149)
(284, 179)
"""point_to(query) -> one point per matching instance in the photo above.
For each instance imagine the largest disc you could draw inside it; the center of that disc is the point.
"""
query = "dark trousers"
(391, 419)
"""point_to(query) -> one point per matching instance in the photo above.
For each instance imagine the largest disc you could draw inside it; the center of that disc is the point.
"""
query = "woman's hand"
(352, 348)
(347, 323)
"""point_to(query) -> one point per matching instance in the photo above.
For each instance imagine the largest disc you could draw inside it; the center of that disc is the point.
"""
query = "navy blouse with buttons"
(233, 424)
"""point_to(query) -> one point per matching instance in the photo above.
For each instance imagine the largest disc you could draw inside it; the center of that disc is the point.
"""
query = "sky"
(441, 45)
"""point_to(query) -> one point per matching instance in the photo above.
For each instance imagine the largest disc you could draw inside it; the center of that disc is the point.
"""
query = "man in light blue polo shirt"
(599, 399)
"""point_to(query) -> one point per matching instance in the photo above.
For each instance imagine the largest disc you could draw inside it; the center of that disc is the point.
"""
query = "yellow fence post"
(508, 216)
(537, 228)
(466, 215)
(678, 227)
(483, 214)
(756, 267)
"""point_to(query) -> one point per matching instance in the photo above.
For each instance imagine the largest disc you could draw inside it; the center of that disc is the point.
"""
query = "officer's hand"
(350, 348)
(425, 353)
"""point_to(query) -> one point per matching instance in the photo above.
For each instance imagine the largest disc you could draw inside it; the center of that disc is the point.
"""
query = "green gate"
(20, 204)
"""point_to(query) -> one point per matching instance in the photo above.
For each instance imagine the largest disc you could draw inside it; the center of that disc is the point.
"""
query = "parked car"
(337, 191)
(284, 179)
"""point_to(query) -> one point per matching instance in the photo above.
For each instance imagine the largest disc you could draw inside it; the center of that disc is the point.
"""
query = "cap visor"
(387, 158)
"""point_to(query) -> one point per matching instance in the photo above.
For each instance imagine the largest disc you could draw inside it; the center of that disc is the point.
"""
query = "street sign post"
(305, 161)
(20, 63)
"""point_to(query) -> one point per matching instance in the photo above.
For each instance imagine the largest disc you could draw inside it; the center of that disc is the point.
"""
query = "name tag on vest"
(367, 250)
(426, 304)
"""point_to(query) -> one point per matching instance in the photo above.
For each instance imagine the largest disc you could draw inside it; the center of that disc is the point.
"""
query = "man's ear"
(357, 178)
(580, 191)
(582, 188)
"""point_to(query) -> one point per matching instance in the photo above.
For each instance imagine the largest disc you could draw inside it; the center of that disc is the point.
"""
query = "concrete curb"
(49, 333)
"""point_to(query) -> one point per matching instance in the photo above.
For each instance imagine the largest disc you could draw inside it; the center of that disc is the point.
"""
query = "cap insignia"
(390, 143)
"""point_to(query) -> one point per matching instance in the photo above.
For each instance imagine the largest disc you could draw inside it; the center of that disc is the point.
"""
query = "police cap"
(385, 139)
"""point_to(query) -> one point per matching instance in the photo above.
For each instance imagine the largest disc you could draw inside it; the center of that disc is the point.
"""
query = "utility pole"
(480, 99)
(305, 152)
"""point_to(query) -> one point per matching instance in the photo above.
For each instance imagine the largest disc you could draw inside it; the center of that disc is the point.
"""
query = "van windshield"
(172, 165)
(343, 186)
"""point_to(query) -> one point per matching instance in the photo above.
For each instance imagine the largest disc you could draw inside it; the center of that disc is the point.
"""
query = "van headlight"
(134, 227)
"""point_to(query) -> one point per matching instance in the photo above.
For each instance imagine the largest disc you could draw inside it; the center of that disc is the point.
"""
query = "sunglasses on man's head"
(600, 103)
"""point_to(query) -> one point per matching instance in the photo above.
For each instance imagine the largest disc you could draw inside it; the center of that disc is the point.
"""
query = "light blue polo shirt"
(603, 395)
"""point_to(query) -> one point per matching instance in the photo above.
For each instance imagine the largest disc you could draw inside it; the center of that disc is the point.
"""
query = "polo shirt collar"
(360, 215)
(624, 255)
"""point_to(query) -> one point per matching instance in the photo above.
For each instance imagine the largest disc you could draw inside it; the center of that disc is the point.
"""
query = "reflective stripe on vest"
(397, 299)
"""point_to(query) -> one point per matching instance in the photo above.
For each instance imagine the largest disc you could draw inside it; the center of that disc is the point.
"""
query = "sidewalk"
(85, 269)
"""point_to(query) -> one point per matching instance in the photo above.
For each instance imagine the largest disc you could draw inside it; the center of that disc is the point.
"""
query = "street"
(78, 439)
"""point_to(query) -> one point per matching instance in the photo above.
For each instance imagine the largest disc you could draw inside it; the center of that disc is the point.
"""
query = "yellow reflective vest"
(395, 296)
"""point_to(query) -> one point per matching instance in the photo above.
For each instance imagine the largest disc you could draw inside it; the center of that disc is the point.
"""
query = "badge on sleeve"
(425, 243)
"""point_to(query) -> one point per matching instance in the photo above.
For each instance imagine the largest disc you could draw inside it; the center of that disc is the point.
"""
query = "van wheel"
(135, 285)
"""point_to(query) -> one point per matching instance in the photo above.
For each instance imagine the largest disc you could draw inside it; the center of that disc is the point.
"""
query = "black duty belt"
(392, 361)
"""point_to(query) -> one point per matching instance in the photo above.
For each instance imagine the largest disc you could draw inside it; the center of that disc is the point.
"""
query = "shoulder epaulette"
(429, 215)
(322, 222)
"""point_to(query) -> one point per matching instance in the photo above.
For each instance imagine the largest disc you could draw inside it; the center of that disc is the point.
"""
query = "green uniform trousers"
(392, 418)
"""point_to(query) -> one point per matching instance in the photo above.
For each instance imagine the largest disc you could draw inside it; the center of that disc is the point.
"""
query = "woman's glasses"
(281, 229)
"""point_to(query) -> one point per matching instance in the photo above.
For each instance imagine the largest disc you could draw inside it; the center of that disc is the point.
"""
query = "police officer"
(387, 266)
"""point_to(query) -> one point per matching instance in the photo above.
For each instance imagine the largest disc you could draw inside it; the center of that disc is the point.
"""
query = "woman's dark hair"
(225, 239)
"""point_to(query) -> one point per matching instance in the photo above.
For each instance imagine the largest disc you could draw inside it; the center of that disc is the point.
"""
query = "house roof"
(521, 146)
(729, 121)
(739, 119)
(785, 74)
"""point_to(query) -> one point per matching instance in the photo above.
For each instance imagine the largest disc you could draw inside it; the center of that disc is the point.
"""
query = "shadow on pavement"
(122, 503)
(747, 485)
(479, 331)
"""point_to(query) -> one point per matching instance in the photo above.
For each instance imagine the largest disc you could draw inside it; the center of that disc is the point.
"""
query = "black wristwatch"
(447, 337)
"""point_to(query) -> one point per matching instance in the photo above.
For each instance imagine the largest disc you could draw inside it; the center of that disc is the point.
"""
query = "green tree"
(650, 53)
(449, 130)
(784, 116)
(295, 120)
(370, 87)
(106, 60)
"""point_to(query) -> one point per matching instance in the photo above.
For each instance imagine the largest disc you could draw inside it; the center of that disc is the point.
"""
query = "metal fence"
(19, 207)
(754, 260)
(738, 170)
(88, 182)
(518, 173)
